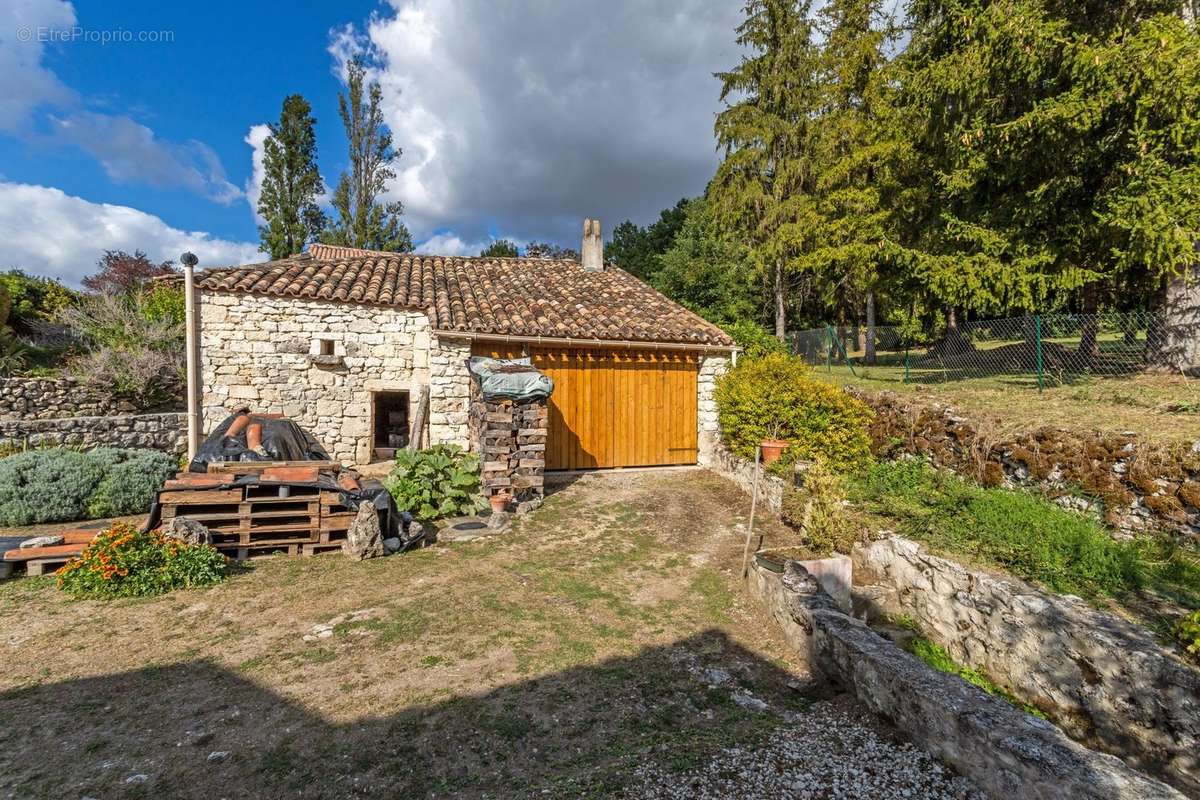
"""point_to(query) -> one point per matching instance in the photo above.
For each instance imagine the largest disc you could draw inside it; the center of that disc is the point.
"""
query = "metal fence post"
(828, 348)
(905, 365)
(1037, 333)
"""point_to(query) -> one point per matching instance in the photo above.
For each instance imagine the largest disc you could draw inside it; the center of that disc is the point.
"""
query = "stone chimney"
(593, 246)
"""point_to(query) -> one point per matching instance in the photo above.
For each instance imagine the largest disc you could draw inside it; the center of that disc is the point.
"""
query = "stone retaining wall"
(741, 472)
(165, 432)
(56, 398)
(1006, 752)
(1133, 484)
(1105, 680)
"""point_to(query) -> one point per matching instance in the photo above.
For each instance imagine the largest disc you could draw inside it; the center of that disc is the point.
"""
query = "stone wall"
(320, 364)
(165, 432)
(709, 428)
(1107, 681)
(741, 472)
(1006, 752)
(1133, 484)
(55, 398)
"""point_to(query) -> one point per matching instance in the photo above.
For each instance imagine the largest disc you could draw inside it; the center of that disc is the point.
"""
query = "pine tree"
(861, 152)
(361, 220)
(763, 187)
(291, 182)
(1062, 138)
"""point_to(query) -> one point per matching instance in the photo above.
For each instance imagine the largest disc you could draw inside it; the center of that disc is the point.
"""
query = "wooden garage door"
(616, 408)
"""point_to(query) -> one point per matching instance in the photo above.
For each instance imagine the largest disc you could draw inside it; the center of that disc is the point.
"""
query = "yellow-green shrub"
(818, 513)
(776, 397)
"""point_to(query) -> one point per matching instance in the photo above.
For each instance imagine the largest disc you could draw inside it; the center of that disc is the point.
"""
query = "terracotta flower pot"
(499, 502)
(772, 449)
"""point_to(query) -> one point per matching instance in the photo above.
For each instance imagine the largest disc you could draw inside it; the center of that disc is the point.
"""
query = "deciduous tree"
(361, 219)
(119, 272)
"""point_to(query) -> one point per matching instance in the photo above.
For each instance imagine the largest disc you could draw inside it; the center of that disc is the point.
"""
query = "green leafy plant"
(441, 481)
(60, 485)
(46, 486)
(754, 339)
(776, 396)
(1022, 532)
(126, 562)
(817, 511)
(1187, 631)
(130, 480)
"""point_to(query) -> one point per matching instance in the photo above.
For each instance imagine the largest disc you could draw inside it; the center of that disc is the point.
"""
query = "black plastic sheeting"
(394, 523)
(282, 440)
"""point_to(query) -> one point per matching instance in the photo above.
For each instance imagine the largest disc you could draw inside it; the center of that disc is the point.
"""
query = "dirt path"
(606, 633)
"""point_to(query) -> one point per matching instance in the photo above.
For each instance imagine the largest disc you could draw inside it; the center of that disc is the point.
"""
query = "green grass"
(1023, 533)
(937, 657)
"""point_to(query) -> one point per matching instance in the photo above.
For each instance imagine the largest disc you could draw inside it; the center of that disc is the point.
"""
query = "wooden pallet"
(284, 511)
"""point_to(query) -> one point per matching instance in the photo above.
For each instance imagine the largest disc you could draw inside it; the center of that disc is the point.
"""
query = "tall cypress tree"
(362, 221)
(291, 182)
(763, 187)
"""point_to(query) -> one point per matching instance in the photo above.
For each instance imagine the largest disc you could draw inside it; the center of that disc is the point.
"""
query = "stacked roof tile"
(513, 296)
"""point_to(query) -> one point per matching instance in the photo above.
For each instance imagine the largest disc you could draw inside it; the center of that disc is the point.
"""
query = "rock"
(218, 756)
(499, 520)
(364, 539)
(1055, 651)
(138, 778)
(749, 701)
(391, 546)
(525, 506)
(187, 530)
(42, 541)
(714, 676)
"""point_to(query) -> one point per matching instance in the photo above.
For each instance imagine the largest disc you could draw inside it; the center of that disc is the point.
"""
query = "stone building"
(346, 342)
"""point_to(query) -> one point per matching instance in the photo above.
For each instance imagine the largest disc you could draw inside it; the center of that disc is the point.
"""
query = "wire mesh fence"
(1034, 351)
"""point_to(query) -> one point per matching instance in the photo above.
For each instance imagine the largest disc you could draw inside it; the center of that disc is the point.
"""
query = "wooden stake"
(753, 506)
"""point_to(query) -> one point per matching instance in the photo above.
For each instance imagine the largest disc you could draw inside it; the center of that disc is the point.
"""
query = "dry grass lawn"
(543, 662)
(1161, 408)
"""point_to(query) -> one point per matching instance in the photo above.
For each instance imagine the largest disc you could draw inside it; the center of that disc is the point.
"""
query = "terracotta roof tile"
(516, 296)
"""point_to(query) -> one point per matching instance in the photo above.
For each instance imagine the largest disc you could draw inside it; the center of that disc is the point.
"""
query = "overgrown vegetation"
(441, 481)
(1187, 631)
(126, 562)
(817, 512)
(62, 485)
(936, 656)
(134, 344)
(776, 397)
(1023, 533)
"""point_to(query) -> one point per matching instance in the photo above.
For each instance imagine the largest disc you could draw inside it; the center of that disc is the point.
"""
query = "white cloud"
(49, 232)
(528, 115)
(447, 243)
(131, 153)
(24, 83)
(256, 137)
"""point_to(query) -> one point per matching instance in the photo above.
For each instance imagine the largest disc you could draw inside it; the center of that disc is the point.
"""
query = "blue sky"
(516, 119)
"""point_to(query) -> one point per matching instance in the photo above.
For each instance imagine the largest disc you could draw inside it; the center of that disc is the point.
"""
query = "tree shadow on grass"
(579, 732)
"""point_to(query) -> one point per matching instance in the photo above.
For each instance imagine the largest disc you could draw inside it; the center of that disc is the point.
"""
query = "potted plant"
(499, 502)
(773, 446)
